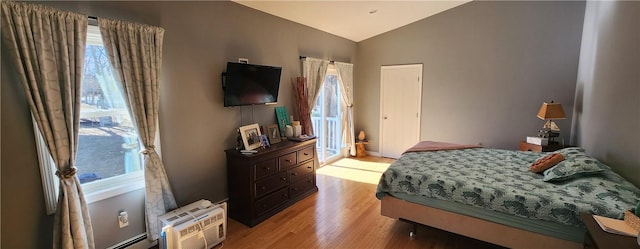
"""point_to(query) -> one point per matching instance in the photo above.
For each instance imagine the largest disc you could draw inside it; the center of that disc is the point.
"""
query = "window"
(326, 116)
(107, 156)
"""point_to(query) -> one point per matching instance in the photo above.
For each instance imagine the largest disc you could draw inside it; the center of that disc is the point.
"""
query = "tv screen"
(248, 84)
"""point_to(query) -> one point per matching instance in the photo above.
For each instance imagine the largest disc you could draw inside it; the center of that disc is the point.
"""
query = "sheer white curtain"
(48, 46)
(135, 52)
(314, 71)
(345, 72)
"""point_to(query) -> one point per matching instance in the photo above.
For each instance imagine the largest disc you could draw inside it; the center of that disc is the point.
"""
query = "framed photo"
(274, 133)
(250, 136)
(264, 141)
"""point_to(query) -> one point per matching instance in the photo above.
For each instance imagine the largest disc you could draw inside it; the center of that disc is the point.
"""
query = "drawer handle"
(263, 188)
(267, 169)
(308, 167)
(294, 189)
(306, 154)
(310, 181)
(288, 160)
(294, 174)
(285, 195)
(283, 179)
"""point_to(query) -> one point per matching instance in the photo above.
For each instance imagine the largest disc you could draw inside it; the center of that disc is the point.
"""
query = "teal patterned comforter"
(500, 180)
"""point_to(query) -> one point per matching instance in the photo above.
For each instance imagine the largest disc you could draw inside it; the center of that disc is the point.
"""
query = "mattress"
(496, 185)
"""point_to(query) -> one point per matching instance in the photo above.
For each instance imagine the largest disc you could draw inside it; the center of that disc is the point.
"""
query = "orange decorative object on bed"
(546, 162)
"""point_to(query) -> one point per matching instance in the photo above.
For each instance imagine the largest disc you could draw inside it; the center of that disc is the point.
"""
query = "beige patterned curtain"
(345, 72)
(314, 72)
(48, 46)
(135, 52)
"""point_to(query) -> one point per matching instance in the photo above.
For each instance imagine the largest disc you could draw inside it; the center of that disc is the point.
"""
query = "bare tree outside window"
(108, 144)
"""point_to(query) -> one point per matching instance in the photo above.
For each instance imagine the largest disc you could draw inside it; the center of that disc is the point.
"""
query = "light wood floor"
(344, 213)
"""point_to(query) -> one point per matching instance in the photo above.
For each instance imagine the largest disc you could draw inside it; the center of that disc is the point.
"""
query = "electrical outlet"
(123, 219)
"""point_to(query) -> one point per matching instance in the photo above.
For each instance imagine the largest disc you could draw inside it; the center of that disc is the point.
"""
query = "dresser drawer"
(306, 153)
(271, 183)
(288, 161)
(298, 172)
(264, 168)
(271, 201)
(302, 186)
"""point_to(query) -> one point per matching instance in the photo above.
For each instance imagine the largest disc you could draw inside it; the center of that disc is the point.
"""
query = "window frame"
(93, 191)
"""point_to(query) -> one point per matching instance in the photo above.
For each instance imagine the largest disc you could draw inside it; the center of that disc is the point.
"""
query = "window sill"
(100, 190)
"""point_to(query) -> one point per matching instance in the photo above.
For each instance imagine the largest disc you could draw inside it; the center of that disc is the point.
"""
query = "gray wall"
(200, 37)
(488, 66)
(607, 107)
(25, 223)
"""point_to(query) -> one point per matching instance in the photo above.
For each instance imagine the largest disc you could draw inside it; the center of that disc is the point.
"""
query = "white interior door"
(400, 104)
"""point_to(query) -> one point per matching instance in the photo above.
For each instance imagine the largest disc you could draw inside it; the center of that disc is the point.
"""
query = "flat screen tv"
(248, 84)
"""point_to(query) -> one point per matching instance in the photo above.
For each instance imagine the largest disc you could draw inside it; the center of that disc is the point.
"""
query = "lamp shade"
(551, 111)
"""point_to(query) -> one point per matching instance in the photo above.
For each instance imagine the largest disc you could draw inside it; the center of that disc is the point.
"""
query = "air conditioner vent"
(189, 230)
(187, 227)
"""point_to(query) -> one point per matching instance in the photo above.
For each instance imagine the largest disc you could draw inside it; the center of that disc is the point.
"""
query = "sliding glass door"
(326, 118)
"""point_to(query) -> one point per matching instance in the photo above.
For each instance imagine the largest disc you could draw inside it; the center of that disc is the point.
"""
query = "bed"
(490, 194)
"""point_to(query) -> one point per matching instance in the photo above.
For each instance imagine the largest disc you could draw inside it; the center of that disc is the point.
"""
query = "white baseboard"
(137, 242)
(374, 153)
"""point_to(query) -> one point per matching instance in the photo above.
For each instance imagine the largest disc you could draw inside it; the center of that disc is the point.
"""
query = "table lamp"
(549, 112)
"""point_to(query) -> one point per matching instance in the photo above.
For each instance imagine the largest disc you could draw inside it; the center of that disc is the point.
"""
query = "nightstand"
(596, 238)
(524, 146)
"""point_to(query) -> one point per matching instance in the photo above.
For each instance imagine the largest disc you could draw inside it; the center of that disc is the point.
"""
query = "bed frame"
(469, 226)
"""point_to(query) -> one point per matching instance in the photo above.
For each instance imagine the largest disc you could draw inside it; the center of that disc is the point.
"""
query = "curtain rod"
(304, 57)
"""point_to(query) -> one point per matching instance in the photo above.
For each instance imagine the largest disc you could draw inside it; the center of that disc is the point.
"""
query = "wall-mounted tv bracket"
(223, 79)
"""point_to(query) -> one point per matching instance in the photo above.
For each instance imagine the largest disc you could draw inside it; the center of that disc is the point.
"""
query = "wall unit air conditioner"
(198, 225)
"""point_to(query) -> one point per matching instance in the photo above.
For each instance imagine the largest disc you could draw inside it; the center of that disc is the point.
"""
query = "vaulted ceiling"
(354, 20)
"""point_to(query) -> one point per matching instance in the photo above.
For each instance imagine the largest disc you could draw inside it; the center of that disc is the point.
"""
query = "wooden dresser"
(265, 183)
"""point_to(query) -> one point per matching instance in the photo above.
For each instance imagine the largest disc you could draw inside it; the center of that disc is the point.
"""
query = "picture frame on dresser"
(273, 132)
(250, 136)
(264, 141)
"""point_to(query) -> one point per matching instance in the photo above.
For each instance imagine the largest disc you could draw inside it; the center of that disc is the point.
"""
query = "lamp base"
(551, 126)
(548, 133)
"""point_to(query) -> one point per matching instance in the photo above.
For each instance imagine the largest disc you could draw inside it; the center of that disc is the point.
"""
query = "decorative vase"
(361, 136)
(288, 131)
(297, 129)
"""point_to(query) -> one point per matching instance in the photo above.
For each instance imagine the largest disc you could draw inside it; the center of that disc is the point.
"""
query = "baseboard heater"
(139, 241)
(198, 225)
